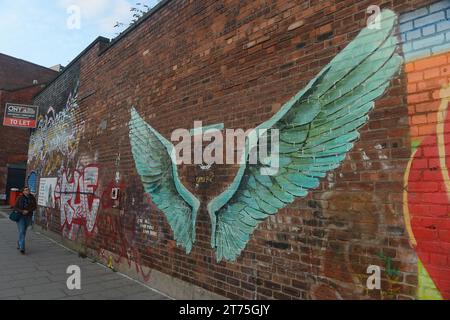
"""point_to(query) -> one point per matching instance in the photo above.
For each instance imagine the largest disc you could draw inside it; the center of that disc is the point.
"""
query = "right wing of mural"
(317, 128)
(155, 161)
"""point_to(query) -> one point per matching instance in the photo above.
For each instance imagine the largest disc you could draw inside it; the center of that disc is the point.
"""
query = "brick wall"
(18, 74)
(237, 63)
(14, 147)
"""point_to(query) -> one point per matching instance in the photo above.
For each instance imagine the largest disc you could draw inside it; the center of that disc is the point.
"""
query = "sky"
(51, 32)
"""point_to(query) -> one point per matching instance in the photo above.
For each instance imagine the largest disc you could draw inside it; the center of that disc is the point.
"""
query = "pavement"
(41, 273)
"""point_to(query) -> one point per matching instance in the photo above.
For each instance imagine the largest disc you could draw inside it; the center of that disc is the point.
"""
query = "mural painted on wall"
(32, 182)
(75, 194)
(318, 126)
(57, 136)
(53, 152)
(160, 179)
(426, 36)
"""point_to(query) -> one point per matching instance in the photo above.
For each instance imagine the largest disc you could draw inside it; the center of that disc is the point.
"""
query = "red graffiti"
(121, 240)
(75, 193)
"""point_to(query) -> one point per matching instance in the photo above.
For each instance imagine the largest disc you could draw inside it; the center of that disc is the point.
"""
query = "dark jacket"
(26, 203)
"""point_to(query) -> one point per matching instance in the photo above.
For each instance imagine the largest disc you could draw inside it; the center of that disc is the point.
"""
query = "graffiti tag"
(75, 194)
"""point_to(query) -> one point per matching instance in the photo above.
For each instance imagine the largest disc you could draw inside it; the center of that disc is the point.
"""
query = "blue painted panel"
(32, 182)
(424, 31)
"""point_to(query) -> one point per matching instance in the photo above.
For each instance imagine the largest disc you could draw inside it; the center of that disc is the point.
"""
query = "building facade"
(20, 81)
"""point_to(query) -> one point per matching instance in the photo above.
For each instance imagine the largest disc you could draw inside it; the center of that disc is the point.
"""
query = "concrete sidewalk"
(41, 273)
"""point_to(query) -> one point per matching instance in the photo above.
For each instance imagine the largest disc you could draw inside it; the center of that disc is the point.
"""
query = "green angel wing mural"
(317, 128)
(155, 162)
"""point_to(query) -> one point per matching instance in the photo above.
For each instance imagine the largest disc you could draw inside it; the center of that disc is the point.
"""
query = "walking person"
(26, 205)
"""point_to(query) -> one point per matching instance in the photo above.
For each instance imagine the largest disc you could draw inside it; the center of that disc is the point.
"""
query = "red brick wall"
(17, 74)
(237, 62)
(14, 146)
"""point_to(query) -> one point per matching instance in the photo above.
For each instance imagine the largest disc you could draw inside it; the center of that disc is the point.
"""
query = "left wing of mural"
(155, 161)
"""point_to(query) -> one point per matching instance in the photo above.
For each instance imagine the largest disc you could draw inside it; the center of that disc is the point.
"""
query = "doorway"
(16, 178)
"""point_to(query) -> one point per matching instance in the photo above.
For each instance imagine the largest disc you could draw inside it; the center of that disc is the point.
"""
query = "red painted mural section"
(428, 185)
(429, 206)
(76, 196)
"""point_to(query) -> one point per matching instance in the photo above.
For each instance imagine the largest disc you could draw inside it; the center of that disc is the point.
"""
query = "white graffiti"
(57, 132)
(75, 194)
(145, 226)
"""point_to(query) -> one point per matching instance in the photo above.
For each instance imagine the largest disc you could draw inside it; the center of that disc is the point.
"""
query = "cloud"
(103, 14)
(121, 12)
(89, 8)
(38, 31)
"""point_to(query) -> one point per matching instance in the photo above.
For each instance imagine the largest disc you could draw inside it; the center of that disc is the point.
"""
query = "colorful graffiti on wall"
(57, 133)
(53, 148)
(426, 36)
(76, 197)
(54, 152)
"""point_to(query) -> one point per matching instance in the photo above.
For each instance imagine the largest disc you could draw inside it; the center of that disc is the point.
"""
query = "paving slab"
(40, 274)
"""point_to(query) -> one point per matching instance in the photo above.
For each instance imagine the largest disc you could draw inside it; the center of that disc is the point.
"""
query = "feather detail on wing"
(155, 161)
(317, 128)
